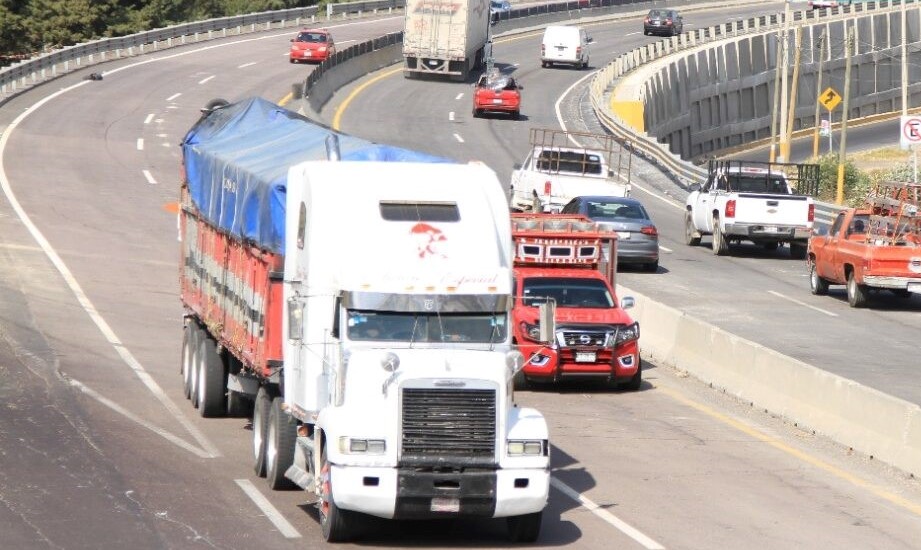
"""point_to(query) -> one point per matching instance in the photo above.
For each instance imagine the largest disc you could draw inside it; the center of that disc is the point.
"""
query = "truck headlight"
(354, 446)
(531, 332)
(527, 447)
(625, 334)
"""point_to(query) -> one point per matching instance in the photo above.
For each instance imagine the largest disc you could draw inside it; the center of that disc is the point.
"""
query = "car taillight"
(649, 230)
(578, 50)
(730, 209)
(812, 212)
(547, 187)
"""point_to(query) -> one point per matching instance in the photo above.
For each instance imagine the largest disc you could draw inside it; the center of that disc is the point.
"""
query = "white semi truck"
(445, 37)
(358, 297)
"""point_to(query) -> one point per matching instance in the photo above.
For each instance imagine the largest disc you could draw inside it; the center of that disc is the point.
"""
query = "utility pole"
(848, 45)
(775, 111)
(791, 117)
(783, 79)
(904, 64)
(818, 90)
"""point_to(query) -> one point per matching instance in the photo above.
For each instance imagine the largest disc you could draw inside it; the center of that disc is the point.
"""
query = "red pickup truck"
(869, 249)
(568, 261)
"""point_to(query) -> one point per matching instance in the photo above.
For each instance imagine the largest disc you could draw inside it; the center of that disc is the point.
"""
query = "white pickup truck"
(555, 171)
(753, 201)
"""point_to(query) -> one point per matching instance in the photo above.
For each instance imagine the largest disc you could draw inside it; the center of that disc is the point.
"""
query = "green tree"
(856, 181)
(53, 23)
(11, 30)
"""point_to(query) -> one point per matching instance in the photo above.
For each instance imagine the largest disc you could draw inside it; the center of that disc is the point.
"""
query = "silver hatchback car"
(637, 236)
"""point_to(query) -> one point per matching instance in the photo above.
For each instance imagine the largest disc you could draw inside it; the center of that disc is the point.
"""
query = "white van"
(568, 45)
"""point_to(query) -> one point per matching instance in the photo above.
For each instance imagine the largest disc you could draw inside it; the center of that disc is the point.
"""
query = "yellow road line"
(337, 118)
(283, 101)
(912, 507)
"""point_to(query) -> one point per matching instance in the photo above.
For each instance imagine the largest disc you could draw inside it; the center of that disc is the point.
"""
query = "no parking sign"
(910, 131)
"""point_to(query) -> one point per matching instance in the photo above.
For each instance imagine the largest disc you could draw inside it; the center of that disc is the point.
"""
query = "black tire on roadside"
(279, 446)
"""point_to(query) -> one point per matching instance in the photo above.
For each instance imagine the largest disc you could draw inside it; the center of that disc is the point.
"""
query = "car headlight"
(527, 447)
(626, 334)
(531, 332)
(354, 446)
(321, 48)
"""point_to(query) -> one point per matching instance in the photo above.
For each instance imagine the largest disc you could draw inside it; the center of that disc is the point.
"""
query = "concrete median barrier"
(869, 421)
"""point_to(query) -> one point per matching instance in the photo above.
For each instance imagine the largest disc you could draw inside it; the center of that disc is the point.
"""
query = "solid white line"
(556, 107)
(206, 79)
(176, 440)
(451, 116)
(460, 95)
(245, 65)
(804, 304)
(149, 177)
(610, 518)
(149, 118)
(270, 511)
(77, 290)
(630, 34)
(174, 96)
(458, 138)
(140, 144)
(662, 248)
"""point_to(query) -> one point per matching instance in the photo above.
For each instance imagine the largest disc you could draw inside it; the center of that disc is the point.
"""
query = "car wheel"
(691, 236)
(817, 285)
(651, 267)
(516, 115)
(634, 383)
(720, 244)
(857, 294)
(476, 113)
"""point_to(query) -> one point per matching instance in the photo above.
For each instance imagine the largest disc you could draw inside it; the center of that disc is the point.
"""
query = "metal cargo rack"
(563, 240)
(803, 178)
(894, 212)
(617, 151)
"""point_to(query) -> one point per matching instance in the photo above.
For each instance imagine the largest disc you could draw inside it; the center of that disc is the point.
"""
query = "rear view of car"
(637, 236)
(564, 45)
(663, 22)
(496, 93)
(311, 45)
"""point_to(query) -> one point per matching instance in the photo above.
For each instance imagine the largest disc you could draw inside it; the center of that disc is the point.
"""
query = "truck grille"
(448, 427)
(585, 337)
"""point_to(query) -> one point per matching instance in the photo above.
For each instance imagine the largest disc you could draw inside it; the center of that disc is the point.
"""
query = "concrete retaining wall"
(722, 96)
(873, 423)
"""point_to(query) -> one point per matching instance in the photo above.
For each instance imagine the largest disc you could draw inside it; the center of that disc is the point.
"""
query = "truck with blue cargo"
(356, 298)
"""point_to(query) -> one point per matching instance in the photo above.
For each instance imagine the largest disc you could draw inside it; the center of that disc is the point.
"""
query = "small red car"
(311, 45)
(495, 92)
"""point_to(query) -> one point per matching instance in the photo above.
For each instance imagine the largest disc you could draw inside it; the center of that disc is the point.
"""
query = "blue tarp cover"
(237, 160)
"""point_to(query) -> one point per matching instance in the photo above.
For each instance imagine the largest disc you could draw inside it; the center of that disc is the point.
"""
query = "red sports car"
(312, 45)
(496, 93)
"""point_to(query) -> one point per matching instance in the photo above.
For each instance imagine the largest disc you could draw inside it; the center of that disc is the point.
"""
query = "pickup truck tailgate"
(773, 210)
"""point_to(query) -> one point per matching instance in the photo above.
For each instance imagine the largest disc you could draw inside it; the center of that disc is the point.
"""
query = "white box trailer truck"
(358, 297)
(445, 37)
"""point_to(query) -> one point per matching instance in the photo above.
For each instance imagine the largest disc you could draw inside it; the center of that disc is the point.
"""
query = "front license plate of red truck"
(585, 357)
(445, 504)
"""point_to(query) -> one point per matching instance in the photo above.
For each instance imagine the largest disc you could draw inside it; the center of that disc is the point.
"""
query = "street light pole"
(783, 81)
(818, 90)
(848, 45)
(797, 45)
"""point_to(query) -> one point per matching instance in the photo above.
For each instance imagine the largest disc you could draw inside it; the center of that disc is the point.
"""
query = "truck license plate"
(497, 101)
(445, 505)
(770, 229)
(625, 235)
(585, 357)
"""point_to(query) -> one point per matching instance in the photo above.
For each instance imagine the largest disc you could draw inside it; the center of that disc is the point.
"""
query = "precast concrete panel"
(731, 62)
(744, 48)
(673, 92)
(682, 84)
(759, 56)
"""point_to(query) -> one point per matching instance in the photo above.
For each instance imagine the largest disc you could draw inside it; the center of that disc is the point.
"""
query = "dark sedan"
(663, 22)
(637, 237)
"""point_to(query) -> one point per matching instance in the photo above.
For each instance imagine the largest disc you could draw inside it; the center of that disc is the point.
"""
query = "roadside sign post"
(909, 138)
(828, 99)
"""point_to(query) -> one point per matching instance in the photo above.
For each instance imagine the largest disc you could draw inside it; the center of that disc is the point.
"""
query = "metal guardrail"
(373, 6)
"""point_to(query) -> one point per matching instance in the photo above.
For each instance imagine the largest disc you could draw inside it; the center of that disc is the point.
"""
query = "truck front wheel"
(817, 284)
(857, 294)
(720, 244)
(524, 528)
(279, 446)
(337, 525)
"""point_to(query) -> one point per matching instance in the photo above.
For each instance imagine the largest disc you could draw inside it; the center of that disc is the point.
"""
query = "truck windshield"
(567, 292)
(386, 326)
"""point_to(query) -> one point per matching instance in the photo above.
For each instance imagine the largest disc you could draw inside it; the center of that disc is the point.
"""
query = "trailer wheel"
(194, 376)
(279, 446)
(524, 528)
(212, 379)
(857, 294)
(337, 525)
(261, 411)
(190, 336)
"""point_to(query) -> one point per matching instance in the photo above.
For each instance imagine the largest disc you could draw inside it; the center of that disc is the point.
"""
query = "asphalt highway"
(98, 448)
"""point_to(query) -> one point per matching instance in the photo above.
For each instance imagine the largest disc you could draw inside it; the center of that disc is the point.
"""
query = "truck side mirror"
(516, 166)
(627, 302)
(547, 317)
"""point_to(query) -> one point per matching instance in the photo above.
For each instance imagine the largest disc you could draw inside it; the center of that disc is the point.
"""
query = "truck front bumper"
(406, 493)
(911, 284)
(555, 364)
(768, 232)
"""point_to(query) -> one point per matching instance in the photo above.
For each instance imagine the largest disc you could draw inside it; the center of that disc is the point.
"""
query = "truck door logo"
(429, 240)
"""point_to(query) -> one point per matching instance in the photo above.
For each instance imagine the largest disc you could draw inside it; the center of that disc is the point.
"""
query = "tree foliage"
(32, 26)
